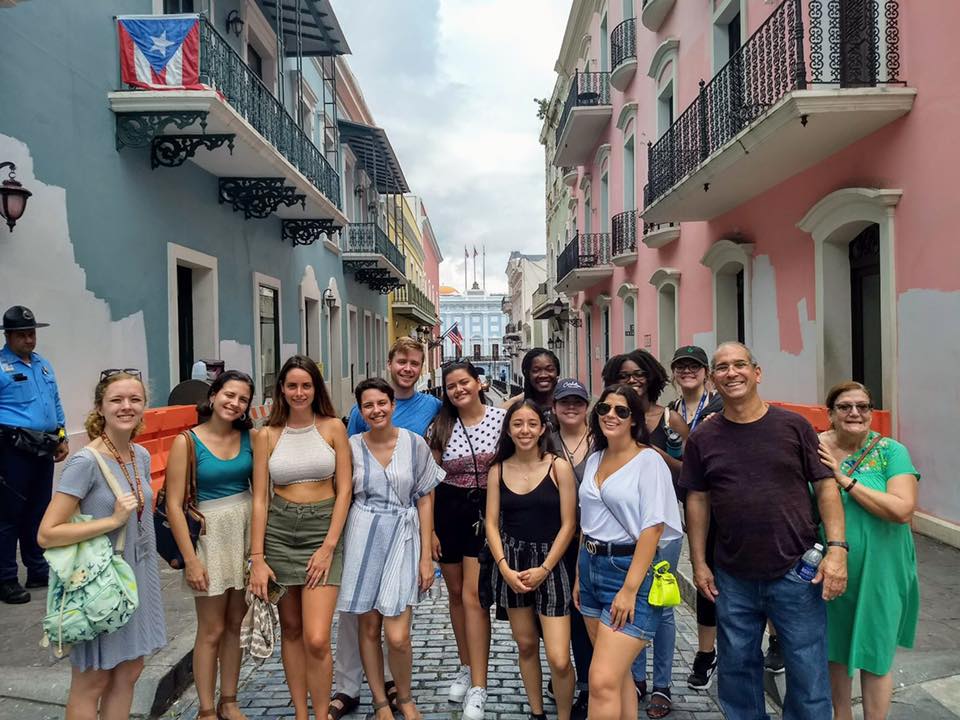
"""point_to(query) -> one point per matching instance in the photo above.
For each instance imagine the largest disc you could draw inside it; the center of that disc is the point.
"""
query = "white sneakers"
(460, 684)
(474, 702)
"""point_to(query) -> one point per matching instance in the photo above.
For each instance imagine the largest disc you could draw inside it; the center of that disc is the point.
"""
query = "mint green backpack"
(92, 590)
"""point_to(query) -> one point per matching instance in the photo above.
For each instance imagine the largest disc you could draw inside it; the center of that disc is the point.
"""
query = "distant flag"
(474, 250)
(466, 255)
(455, 337)
(160, 52)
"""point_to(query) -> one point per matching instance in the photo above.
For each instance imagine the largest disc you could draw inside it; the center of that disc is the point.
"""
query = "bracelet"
(545, 568)
(501, 560)
(849, 487)
(255, 554)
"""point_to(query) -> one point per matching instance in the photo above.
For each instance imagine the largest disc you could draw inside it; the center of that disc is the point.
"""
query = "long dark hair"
(639, 428)
(321, 405)
(506, 448)
(205, 407)
(526, 365)
(443, 423)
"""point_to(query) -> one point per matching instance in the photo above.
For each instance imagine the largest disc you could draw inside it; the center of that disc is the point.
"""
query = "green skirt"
(294, 532)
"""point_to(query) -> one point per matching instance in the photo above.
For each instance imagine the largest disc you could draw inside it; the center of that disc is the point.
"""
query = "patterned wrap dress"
(381, 563)
(879, 609)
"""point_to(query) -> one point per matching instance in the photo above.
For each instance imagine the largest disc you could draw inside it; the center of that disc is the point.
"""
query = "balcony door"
(269, 321)
(858, 43)
(605, 203)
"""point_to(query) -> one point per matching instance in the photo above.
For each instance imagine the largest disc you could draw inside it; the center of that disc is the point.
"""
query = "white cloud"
(453, 82)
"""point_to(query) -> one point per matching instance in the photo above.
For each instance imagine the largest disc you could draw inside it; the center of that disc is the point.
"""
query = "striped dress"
(382, 538)
(146, 632)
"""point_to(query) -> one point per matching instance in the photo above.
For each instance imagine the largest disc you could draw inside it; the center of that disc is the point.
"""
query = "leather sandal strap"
(380, 705)
(206, 713)
(404, 701)
(225, 699)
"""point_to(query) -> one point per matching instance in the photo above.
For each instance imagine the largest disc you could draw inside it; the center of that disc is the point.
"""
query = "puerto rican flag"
(160, 52)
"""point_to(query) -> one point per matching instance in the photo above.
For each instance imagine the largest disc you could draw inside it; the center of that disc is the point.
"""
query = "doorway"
(865, 324)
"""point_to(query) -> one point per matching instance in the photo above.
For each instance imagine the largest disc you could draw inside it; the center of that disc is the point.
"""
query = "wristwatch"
(839, 543)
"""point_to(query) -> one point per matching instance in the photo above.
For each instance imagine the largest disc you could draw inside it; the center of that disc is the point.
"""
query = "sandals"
(391, 689)
(380, 706)
(209, 712)
(348, 704)
(408, 701)
(641, 686)
(661, 704)
(224, 700)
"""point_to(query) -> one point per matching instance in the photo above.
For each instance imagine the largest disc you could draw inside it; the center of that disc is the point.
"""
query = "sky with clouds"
(452, 82)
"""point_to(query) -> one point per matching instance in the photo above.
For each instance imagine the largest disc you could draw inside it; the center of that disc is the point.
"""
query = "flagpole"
(466, 259)
(484, 250)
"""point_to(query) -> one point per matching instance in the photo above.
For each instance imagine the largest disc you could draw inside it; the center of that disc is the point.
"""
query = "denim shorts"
(601, 577)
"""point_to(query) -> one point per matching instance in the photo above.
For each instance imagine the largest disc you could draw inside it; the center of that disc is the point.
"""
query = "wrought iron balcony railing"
(588, 89)
(224, 70)
(412, 295)
(623, 42)
(540, 295)
(772, 63)
(586, 250)
(624, 226)
(370, 239)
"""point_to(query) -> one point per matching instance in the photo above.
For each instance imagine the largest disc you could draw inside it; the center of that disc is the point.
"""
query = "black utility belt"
(34, 442)
(598, 547)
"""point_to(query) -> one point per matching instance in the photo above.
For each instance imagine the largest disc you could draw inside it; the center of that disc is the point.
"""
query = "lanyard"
(696, 415)
(137, 489)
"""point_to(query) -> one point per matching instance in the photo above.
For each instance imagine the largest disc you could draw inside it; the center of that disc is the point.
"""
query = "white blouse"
(635, 497)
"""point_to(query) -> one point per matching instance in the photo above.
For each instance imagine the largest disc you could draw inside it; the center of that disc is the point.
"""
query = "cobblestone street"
(263, 693)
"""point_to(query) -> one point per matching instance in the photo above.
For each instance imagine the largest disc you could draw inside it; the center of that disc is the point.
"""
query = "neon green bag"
(664, 592)
(93, 590)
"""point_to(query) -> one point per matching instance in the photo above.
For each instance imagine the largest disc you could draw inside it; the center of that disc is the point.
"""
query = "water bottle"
(436, 590)
(807, 567)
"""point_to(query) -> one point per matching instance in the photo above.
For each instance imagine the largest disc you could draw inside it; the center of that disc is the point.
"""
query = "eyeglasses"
(687, 368)
(737, 365)
(635, 375)
(847, 408)
(622, 411)
(110, 372)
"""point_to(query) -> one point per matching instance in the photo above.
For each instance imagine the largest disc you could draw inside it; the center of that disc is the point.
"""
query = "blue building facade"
(141, 254)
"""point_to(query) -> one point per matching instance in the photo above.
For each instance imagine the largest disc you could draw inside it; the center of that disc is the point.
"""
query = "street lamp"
(13, 197)
(329, 299)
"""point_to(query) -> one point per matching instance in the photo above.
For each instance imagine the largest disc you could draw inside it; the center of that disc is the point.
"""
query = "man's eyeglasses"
(110, 372)
(622, 411)
(847, 408)
(737, 365)
(627, 376)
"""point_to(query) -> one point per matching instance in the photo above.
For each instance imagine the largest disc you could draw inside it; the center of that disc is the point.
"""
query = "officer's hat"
(20, 318)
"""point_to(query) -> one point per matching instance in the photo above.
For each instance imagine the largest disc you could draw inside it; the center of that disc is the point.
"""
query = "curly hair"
(526, 367)
(655, 373)
(95, 423)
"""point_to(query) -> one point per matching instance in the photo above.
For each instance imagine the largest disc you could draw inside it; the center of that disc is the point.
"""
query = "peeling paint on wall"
(38, 269)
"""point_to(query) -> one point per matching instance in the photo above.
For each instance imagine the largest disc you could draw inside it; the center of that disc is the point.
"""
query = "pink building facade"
(775, 172)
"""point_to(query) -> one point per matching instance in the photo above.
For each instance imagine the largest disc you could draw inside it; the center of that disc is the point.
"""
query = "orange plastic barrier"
(163, 424)
(817, 415)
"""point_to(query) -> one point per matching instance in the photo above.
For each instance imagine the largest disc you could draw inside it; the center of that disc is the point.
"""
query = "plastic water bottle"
(807, 567)
(436, 590)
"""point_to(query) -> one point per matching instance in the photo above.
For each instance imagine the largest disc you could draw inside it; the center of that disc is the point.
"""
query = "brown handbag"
(167, 547)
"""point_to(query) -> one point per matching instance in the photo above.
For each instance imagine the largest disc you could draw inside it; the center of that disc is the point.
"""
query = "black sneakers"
(704, 667)
(579, 710)
(773, 661)
(12, 593)
(41, 581)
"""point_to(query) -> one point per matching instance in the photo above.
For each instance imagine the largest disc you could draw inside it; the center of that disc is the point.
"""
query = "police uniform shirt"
(28, 393)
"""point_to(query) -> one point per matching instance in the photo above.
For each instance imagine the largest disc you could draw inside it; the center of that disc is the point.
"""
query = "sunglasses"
(110, 372)
(622, 411)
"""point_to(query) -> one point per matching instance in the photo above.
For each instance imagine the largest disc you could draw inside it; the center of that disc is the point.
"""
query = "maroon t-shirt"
(757, 475)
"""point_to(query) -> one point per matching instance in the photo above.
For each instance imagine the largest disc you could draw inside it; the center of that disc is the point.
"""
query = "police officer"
(32, 439)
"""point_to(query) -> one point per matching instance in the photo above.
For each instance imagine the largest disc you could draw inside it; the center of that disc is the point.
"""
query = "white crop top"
(301, 455)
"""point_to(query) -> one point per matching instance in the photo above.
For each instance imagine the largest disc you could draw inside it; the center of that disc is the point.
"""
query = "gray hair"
(736, 344)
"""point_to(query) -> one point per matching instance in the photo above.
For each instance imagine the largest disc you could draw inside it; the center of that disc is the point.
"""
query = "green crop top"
(218, 478)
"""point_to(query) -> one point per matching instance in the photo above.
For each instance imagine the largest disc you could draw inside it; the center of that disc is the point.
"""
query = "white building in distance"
(480, 319)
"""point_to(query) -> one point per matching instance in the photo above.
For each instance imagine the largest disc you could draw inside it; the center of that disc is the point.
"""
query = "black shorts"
(454, 516)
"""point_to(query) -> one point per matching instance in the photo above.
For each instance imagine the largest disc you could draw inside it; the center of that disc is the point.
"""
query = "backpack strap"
(115, 488)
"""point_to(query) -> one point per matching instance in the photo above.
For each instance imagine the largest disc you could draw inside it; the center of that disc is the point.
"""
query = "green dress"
(881, 604)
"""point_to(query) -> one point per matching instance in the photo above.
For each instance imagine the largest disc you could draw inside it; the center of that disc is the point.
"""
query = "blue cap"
(570, 387)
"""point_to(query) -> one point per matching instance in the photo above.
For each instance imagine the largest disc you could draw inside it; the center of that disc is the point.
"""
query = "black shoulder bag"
(475, 495)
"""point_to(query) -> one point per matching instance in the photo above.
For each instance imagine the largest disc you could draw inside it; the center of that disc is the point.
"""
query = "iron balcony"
(585, 115)
(410, 301)
(585, 261)
(372, 258)
(623, 53)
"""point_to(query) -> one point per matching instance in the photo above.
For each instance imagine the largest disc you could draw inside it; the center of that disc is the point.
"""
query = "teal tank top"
(218, 478)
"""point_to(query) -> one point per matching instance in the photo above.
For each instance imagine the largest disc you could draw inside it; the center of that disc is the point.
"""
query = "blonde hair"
(95, 422)
(406, 345)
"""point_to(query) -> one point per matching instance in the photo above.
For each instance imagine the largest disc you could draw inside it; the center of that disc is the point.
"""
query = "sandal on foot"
(377, 706)
(660, 703)
(407, 701)
(391, 689)
(347, 705)
(209, 712)
(641, 686)
(225, 700)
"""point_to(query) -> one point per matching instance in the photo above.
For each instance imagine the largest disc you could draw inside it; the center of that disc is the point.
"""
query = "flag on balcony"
(160, 52)
(455, 337)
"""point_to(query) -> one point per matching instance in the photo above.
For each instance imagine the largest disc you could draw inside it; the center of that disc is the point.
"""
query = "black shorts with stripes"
(552, 598)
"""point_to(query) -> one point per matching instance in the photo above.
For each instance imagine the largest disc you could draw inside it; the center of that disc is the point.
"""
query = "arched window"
(628, 293)
(663, 70)
(732, 274)
(667, 283)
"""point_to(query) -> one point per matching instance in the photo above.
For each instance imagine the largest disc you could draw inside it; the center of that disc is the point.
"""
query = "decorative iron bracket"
(258, 197)
(175, 150)
(378, 279)
(307, 232)
(138, 129)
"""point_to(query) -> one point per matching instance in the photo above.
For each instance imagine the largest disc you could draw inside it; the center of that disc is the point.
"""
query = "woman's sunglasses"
(622, 411)
(110, 372)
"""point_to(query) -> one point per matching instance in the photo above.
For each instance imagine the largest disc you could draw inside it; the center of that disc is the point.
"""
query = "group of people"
(549, 510)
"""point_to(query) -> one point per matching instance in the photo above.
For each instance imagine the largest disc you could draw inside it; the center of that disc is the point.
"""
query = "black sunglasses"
(622, 411)
(110, 372)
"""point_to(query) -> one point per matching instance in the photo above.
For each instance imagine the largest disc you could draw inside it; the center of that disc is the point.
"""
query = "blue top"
(28, 393)
(414, 413)
(218, 478)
